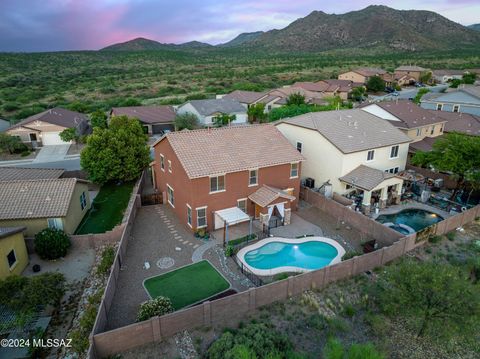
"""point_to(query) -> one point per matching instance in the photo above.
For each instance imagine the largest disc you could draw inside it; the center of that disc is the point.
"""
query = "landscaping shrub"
(51, 243)
(154, 307)
(451, 235)
(351, 254)
(248, 237)
(434, 239)
(334, 349)
(229, 251)
(108, 256)
(259, 340)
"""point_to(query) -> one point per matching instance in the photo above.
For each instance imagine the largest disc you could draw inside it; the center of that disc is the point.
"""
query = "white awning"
(232, 215)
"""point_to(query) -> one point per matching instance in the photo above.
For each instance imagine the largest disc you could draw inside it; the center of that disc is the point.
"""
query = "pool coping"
(268, 272)
(186, 265)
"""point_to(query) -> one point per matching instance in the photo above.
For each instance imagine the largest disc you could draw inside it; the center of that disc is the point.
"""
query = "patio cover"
(266, 195)
(232, 215)
(365, 177)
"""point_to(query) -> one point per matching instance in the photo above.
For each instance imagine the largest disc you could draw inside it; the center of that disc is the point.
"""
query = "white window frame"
(83, 200)
(162, 162)
(419, 132)
(170, 197)
(456, 106)
(55, 223)
(301, 146)
(373, 155)
(169, 166)
(432, 130)
(242, 200)
(291, 169)
(439, 106)
(189, 215)
(391, 150)
(218, 190)
(250, 184)
(206, 218)
(12, 267)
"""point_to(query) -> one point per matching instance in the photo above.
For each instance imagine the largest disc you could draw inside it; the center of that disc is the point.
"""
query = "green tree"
(69, 134)
(223, 119)
(296, 99)
(98, 119)
(426, 77)
(469, 78)
(187, 121)
(375, 84)
(11, 144)
(420, 94)
(358, 93)
(455, 83)
(256, 112)
(430, 296)
(455, 153)
(117, 153)
(51, 243)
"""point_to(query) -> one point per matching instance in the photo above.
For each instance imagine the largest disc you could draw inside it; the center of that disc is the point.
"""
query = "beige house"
(43, 129)
(361, 75)
(351, 151)
(414, 72)
(37, 204)
(422, 126)
(13, 251)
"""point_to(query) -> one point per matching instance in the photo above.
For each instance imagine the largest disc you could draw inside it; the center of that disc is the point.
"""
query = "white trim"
(298, 169)
(373, 158)
(206, 216)
(458, 108)
(169, 166)
(398, 151)
(191, 215)
(268, 272)
(301, 146)
(162, 157)
(256, 177)
(224, 183)
(168, 199)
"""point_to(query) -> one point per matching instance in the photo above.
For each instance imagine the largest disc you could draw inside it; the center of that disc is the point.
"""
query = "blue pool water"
(414, 218)
(306, 255)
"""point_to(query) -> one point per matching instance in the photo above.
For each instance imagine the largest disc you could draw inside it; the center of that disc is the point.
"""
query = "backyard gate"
(152, 199)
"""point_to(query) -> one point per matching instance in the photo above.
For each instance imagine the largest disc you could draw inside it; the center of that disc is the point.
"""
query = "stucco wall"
(35, 125)
(33, 225)
(16, 243)
(75, 213)
(352, 76)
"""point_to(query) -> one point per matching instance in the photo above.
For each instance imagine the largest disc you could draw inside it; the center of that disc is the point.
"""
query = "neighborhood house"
(207, 110)
(350, 152)
(465, 99)
(154, 119)
(13, 251)
(212, 177)
(43, 129)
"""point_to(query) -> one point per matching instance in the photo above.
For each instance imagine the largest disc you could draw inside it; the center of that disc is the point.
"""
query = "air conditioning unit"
(309, 182)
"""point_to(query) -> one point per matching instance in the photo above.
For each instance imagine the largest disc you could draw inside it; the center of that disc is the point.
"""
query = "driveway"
(52, 153)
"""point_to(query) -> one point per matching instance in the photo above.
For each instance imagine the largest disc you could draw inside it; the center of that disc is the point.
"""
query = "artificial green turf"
(187, 285)
(107, 208)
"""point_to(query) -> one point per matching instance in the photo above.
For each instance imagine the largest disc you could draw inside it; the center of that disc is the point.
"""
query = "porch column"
(367, 196)
(398, 193)
(383, 197)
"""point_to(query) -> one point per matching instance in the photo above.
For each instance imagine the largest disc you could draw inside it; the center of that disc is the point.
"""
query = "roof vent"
(48, 199)
(29, 213)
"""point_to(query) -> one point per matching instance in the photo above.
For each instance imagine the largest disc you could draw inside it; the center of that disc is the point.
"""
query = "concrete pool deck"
(269, 272)
(411, 205)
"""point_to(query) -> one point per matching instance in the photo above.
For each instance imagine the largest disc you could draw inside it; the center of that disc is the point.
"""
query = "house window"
(253, 178)
(393, 170)
(12, 259)
(201, 217)
(441, 128)
(432, 130)
(242, 204)
(299, 146)
(170, 196)
(394, 152)
(189, 215)
(55, 223)
(169, 166)
(370, 155)
(419, 132)
(217, 184)
(83, 200)
(162, 162)
(294, 170)
(456, 108)
(439, 106)
(33, 137)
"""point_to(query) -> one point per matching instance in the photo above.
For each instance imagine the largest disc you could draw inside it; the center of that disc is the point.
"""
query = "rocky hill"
(475, 27)
(243, 38)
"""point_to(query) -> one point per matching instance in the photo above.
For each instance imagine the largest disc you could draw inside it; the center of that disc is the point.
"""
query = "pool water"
(306, 255)
(414, 218)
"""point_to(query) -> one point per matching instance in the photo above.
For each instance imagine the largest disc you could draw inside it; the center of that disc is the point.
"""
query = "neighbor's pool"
(417, 219)
(282, 255)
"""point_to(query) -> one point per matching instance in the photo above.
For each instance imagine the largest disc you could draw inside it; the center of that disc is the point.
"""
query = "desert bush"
(51, 243)
(154, 307)
(108, 256)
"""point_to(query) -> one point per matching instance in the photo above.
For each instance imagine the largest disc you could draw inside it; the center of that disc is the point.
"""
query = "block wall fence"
(231, 310)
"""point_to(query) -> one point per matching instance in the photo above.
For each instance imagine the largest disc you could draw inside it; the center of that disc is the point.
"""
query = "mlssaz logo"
(52, 343)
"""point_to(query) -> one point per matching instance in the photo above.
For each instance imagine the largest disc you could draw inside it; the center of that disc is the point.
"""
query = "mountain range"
(375, 27)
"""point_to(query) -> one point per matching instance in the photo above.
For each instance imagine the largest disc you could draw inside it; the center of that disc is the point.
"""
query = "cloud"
(52, 25)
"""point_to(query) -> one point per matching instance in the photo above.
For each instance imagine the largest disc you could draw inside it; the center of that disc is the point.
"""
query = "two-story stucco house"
(207, 110)
(352, 150)
(422, 126)
(217, 176)
(465, 99)
(362, 75)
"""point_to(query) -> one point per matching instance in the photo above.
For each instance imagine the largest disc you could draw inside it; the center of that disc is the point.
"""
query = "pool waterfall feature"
(410, 220)
(277, 255)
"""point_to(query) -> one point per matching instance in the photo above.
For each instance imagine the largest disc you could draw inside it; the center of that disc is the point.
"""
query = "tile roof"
(365, 177)
(351, 130)
(46, 198)
(424, 145)
(312, 86)
(214, 151)
(471, 90)
(409, 114)
(222, 105)
(267, 99)
(8, 231)
(56, 116)
(459, 122)
(448, 72)
(147, 114)
(266, 195)
(369, 71)
(19, 173)
(410, 68)
(248, 97)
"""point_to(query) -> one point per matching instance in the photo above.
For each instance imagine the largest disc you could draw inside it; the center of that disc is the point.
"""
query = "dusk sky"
(55, 25)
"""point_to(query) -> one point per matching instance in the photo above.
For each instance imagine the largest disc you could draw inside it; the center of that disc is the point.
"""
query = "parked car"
(395, 93)
(419, 84)
(389, 89)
